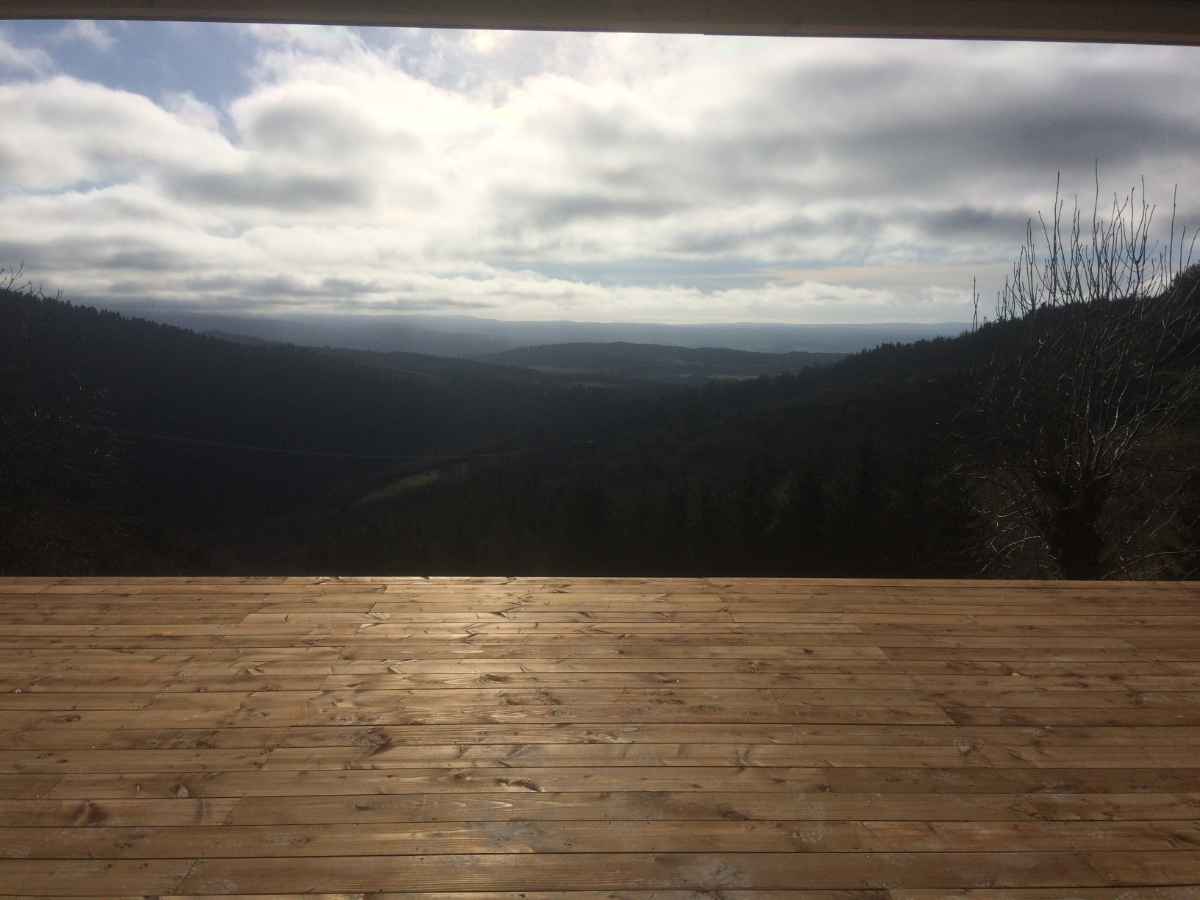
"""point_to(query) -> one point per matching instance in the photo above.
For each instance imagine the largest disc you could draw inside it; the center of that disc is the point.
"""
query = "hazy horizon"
(287, 171)
(470, 336)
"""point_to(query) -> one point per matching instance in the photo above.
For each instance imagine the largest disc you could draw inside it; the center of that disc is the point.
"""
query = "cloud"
(188, 108)
(392, 170)
(270, 190)
(88, 32)
(23, 59)
(60, 133)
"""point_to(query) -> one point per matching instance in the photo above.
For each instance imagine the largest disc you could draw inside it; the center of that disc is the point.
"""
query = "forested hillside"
(674, 365)
(132, 447)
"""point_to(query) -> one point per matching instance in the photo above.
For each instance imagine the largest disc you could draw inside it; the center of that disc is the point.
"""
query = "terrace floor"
(758, 739)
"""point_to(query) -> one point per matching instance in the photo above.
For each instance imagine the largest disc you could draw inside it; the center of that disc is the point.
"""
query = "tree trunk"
(1074, 536)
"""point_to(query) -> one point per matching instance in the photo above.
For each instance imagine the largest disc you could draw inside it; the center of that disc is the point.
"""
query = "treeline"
(864, 516)
(830, 471)
(115, 429)
(130, 447)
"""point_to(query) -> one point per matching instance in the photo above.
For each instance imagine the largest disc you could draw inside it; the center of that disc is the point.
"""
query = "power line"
(255, 449)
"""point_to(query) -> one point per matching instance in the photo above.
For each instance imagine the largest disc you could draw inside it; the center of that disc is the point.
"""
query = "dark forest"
(131, 447)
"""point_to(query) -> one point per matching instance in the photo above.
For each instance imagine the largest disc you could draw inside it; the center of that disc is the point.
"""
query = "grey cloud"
(436, 303)
(312, 130)
(727, 241)
(283, 288)
(9, 165)
(1013, 140)
(603, 129)
(890, 129)
(974, 221)
(837, 84)
(873, 137)
(144, 259)
(350, 286)
(264, 286)
(283, 193)
(859, 226)
(89, 250)
(556, 211)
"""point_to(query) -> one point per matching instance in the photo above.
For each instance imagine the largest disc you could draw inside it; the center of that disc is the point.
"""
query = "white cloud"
(452, 171)
(188, 108)
(88, 32)
(60, 133)
(23, 59)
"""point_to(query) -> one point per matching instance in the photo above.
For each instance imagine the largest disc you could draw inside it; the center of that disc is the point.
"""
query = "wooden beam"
(1134, 21)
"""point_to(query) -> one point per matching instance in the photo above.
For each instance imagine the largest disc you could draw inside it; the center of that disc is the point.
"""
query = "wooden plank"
(766, 631)
(629, 754)
(409, 616)
(1148, 867)
(1048, 684)
(873, 610)
(46, 735)
(22, 787)
(75, 684)
(849, 779)
(741, 698)
(357, 661)
(634, 711)
(1035, 699)
(1170, 756)
(1011, 780)
(404, 839)
(1083, 739)
(522, 755)
(32, 700)
(1095, 716)
(867, 894)
(104, 814)
(1173, 892)
(580, 705)
(623, 871)
(626, 806)
(89, 878)
(103, 761)
(701, 648)
(213, 714)
(1114, 805)
(448, 780)
(1020, 656)
(518, 680)
(190, 629)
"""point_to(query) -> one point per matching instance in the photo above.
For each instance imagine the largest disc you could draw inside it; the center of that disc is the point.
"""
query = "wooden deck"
(759, 739)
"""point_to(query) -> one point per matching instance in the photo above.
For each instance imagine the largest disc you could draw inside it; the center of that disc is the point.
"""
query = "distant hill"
(247, 339)
(107, 421)
(134, 447)
(469, 336)
(137, 448)
(675, 365)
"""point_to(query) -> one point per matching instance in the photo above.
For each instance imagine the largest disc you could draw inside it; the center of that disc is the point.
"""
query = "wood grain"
(599, 739)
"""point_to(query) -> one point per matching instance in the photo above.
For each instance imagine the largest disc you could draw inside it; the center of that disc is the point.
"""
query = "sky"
(284, 170)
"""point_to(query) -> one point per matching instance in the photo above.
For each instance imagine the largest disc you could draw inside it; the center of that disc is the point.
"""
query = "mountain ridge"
(658, 362)
(469, 336)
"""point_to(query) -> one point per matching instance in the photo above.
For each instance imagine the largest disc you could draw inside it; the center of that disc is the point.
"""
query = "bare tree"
(1075, 450)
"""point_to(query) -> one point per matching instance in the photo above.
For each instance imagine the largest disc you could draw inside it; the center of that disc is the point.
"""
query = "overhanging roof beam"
(1132, 21)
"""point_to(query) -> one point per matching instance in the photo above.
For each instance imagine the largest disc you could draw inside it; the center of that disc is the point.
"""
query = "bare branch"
(1083, 382)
